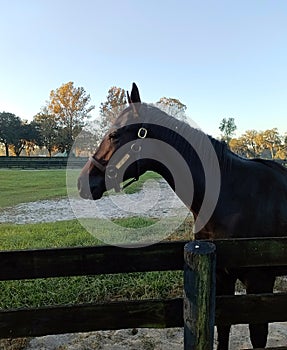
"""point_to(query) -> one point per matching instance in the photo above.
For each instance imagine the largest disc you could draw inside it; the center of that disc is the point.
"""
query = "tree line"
(67, 115)
(55, 127)
(254, 144)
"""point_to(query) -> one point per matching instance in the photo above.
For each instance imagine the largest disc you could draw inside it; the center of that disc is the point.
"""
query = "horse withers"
(245, 197)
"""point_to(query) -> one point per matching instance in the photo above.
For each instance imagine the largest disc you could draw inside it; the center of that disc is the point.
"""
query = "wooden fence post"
(199, 295)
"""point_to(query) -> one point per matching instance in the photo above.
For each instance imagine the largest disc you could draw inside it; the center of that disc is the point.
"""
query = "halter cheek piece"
(111, 171)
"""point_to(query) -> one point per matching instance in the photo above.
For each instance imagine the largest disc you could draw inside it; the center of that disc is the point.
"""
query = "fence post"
(199, 295)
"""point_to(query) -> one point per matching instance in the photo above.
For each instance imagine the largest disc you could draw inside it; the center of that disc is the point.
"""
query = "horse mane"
(225, 156)
(186, 130)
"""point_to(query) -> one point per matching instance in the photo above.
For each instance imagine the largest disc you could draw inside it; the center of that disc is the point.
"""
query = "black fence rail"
(42, 162)
(53, 162)
(158, 313)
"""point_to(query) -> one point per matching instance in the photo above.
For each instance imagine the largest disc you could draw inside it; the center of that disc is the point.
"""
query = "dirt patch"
(139, 339)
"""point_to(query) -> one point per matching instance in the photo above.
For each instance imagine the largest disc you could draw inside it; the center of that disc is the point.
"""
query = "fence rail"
(41, 162)
(168, 256)
(31, 264)
(52, 163)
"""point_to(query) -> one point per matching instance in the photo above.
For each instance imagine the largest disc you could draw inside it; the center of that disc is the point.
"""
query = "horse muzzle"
(90, 188)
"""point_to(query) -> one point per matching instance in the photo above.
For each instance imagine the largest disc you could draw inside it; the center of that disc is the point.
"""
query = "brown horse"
(241, 197)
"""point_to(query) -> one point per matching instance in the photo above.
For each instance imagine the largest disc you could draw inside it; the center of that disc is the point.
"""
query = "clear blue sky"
(222, 58)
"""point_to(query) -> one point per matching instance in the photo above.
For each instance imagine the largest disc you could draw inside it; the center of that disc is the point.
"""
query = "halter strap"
(97, 164)
(142, 133)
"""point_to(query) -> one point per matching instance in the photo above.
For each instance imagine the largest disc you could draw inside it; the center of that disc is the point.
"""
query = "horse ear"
(135, 95)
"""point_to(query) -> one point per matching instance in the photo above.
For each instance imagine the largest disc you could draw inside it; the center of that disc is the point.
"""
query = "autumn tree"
(173, 107)
(227, 127)
(283, 152)
(248, 144)
(115, 103)
(272, 141)
(70, 107)
(265, 144)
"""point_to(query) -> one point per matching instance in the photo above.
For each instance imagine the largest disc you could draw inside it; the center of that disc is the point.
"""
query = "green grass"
(83, 289)
(45, 235)
(75, 290)
(137, 186)
(21, 186)
(18, 186)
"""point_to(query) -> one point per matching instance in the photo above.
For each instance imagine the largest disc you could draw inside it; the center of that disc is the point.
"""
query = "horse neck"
(190, 187)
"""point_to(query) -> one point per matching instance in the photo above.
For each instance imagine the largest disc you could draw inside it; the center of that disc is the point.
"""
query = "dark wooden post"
(199, 295)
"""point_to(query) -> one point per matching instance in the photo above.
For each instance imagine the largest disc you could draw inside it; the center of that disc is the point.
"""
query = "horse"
(245, 197)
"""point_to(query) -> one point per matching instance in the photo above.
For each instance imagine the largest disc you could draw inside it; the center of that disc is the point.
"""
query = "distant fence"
(52, 163)
(158, 313)
(41, 162)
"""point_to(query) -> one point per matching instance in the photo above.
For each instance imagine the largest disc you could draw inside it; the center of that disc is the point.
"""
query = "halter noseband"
(112, 170)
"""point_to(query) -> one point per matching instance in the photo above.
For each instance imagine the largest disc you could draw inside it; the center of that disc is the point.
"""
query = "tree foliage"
(48, 130)
(16, 134)
(28, 138)
(266, 144)
(227, 127)
(9, 126)
(115, 103)
(70, 107)
(173, 107)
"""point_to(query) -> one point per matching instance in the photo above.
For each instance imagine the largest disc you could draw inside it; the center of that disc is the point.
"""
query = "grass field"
(83, 289)
(21, 186)
(18, 186)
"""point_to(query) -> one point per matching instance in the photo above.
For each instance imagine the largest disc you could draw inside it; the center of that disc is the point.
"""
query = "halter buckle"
(142, 133)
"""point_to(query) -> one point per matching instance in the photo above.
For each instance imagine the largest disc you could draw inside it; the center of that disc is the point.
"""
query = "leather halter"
(113, 169)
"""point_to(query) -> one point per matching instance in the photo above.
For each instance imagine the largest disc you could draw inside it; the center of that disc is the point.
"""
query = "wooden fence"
(42, 162)
(32, 264)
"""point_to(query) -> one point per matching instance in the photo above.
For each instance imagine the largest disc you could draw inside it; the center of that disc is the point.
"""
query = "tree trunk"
(7, 149)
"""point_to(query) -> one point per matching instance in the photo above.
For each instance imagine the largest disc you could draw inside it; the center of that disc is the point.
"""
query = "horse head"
(118, 158)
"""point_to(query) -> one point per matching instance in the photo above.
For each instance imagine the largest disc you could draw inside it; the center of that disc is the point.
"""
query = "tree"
(86, 143)
(238, 146)
(173, 107)
(9, 125)
(265, 144)
(110, 109)
(272, 141)
(249, 144)
(70, 107)
(227, 127)
(16, 134)
(26, 137)
(48, 130)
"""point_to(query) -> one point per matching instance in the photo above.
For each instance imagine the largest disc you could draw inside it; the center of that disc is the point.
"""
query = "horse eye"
(113, 135)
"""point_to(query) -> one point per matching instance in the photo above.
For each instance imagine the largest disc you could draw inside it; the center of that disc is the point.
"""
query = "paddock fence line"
(24, 162)
(41, 162)
(268, 253)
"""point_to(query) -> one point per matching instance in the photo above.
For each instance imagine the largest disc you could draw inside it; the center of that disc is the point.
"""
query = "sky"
(221, 58)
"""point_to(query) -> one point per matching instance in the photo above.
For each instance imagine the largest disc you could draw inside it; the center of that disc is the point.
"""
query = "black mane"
(189, 132)
(225, 155)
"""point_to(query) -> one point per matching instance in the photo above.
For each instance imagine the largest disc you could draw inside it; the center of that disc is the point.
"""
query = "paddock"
(269, 253)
